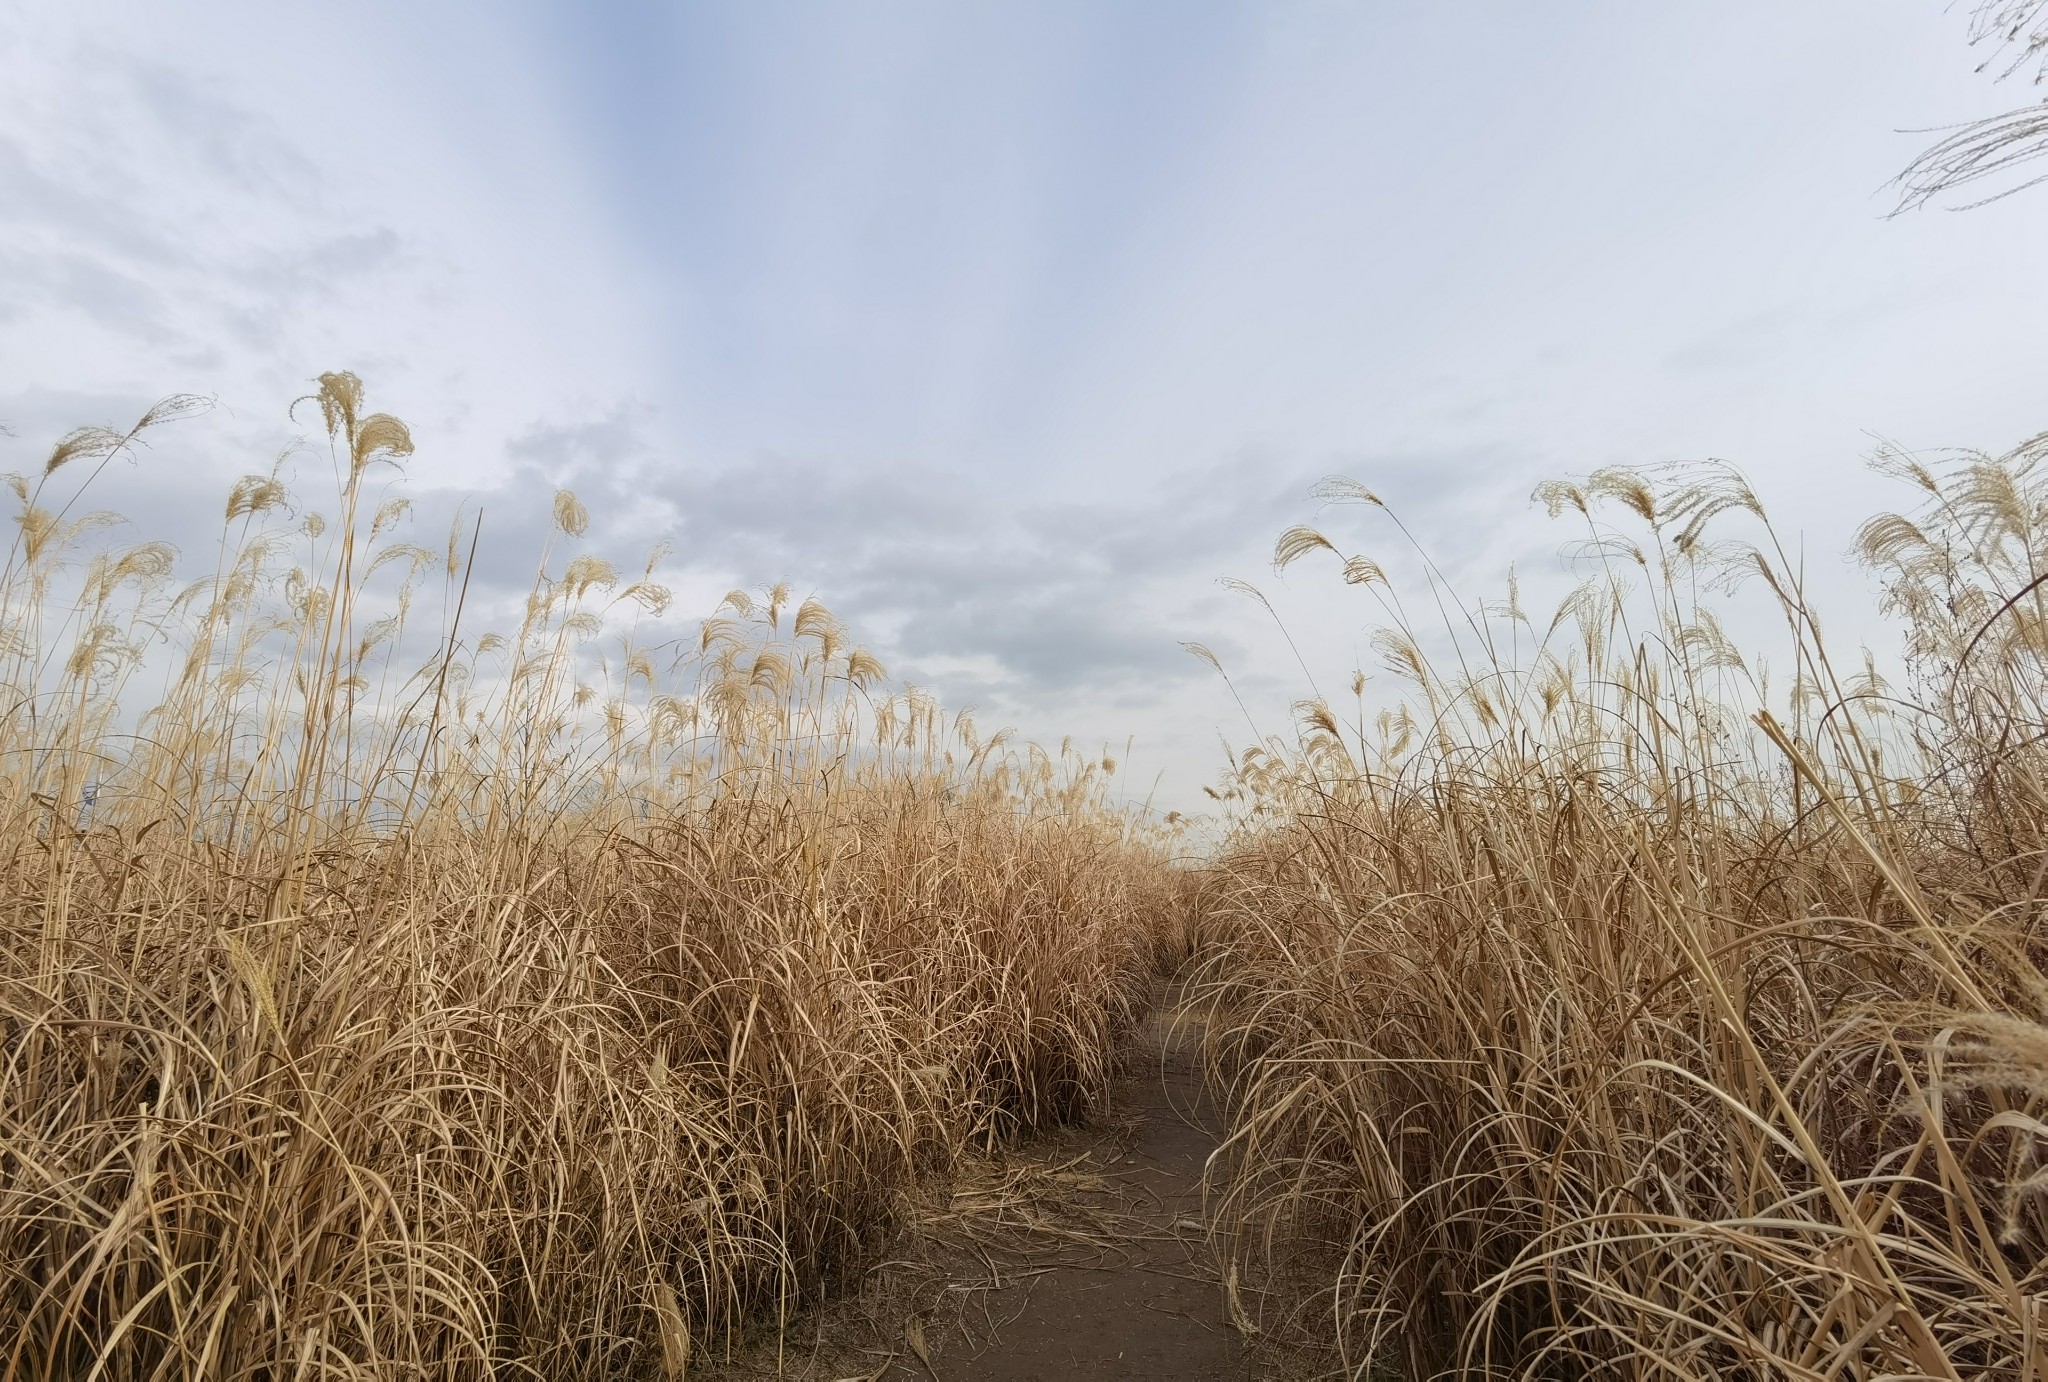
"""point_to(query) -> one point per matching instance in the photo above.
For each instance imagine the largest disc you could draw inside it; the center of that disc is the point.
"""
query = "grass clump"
(1600, 1012)
(384, 999)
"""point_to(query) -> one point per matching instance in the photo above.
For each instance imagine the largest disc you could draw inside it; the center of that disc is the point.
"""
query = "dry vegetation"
(1590, 1020)
(381, 999)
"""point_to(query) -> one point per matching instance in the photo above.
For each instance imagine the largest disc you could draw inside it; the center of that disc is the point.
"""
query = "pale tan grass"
(537, 1006)
(1586, 1028)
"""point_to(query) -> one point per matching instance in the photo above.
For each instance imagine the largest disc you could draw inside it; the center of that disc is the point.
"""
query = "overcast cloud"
(1007, 329)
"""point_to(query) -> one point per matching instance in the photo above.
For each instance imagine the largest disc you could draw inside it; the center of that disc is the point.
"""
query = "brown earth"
(1082, 1257)
(1154, 1306)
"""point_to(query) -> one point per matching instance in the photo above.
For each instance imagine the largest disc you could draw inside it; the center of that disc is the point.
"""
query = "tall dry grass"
(1591, 1019)
(381, 997)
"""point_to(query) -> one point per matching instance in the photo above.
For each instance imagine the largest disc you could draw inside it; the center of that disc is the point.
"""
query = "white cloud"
(235, 200)
(1009, 329)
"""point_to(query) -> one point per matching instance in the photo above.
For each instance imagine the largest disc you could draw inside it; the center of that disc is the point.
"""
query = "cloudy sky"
(1008, 328)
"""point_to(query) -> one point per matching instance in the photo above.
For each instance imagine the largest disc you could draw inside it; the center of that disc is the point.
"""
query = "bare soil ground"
(1084, 1256)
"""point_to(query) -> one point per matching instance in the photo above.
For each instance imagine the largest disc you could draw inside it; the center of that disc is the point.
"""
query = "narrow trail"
(1081, 1257)
(1153, 1306)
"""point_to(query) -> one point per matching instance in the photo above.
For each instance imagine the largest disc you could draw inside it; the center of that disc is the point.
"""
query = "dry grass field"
(1591, 1021)
(383, 996)
(524, 1011)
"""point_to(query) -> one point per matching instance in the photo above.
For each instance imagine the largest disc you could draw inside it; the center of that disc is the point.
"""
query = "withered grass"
(383, 997)
(386, 997)
(1622, 1008)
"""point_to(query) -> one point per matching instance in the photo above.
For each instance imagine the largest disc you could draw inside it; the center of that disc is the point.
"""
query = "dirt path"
(1082, 1257)
(1153, 1306)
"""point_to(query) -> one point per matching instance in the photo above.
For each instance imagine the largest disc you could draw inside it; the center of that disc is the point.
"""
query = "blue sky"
(1009, 328)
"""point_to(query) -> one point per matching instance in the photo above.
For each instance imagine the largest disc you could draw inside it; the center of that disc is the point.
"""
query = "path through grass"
(1082, 1256)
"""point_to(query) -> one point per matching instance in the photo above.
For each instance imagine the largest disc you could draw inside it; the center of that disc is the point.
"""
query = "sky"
(1008, 329)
